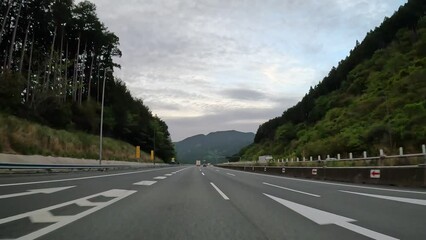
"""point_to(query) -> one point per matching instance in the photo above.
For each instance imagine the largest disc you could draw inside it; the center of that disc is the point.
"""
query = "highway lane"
(189, 202)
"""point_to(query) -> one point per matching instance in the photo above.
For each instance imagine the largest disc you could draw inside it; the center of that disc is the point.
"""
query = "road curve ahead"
(188, 202)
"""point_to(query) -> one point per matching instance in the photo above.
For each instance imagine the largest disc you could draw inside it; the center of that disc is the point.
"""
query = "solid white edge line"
(83, 178)
(290, 189)
(220, 192)
(330, 183)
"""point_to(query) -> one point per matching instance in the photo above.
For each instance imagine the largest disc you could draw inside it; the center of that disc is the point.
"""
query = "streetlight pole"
(102, 116)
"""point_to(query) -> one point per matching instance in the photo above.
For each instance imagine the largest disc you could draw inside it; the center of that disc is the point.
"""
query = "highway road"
(189, 202)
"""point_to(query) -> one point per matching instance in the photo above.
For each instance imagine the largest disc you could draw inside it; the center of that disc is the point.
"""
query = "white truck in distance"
(198, 162)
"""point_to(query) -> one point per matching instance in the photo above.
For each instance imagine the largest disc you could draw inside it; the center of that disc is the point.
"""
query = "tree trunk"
(12, 43)
(66, 73)
(21, 62)
(4, 20)
(29, 70)
(61, 88)
(97, 83)
(74, 81)
(90, 77)
(51, 58)
(80, 93)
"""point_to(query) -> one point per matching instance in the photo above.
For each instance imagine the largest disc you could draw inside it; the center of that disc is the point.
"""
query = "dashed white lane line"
(168, 174)
(160, 177)
(293, 190)
(83, 178)
(330, 183)
(202, 173)
(398, 199)
(145, 183)
(217, 170)
(230, 174)
(220, 192)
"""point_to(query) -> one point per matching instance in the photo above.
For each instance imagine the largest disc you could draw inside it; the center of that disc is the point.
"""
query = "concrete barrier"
(408, 176)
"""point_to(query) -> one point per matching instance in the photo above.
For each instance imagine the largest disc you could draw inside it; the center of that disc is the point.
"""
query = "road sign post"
(138, 152)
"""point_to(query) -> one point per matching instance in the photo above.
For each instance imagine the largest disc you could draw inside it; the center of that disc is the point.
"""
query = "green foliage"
(60, 85)
(374, 99)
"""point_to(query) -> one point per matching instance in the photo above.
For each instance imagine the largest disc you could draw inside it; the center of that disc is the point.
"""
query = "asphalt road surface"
(189, 202)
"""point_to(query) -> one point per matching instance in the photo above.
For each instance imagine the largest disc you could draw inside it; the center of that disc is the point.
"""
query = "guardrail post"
(328, 156)
(401, 151)
(350, 155)
(424, 152)
(310, 158)
(304, 159)
(297, 158)
(319, 158)
(338, 156)
(364, 154)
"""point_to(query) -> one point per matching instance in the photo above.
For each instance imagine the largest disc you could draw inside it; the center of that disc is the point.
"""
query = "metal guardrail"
(27, 166)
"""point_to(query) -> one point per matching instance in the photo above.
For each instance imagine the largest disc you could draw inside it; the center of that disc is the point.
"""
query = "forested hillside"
(215, 147)
(374, 98)
(54, 56)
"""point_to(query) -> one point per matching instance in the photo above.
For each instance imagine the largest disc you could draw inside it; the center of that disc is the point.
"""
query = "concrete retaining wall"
(411, 176)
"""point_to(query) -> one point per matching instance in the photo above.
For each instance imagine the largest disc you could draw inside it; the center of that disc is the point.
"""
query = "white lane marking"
(82, 178)
(290, 189)
(230, 174)
(220, 192)
(145, 183)
(44, 214)
(324, 218)
(35, 191)
(399, 199)
(202, 173)
(160, 177)
(181, 169)
(168, 174)
(333, 184)
(217, 170)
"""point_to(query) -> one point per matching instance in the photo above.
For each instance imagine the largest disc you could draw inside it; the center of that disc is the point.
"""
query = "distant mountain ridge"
(213, 147)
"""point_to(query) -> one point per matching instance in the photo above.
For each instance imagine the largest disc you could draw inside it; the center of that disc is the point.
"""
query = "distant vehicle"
(204, 165)
(197, 162)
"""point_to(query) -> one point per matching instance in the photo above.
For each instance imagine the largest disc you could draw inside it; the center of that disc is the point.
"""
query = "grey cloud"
(180, 49)
(244, 94)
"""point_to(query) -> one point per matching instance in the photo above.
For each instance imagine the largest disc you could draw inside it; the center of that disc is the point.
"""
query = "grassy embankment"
(18, 136)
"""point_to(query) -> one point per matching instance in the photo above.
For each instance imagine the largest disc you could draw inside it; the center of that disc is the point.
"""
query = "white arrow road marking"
(160, 177)
(290, 189)
(45, 216)
(202, 173)
(35, 191)
(145, 183)
(323, 218)
(220, 192)
(230, 174)
(399, 199)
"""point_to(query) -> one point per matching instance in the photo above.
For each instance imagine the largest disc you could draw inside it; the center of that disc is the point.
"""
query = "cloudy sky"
(210, 65)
